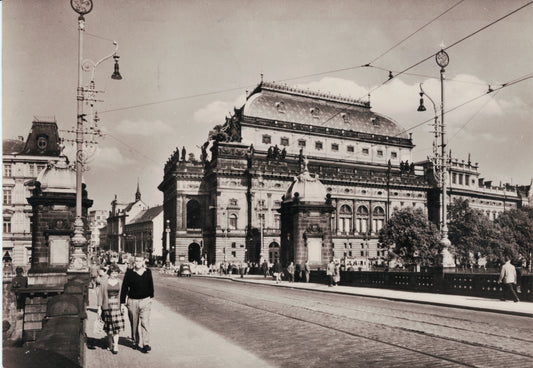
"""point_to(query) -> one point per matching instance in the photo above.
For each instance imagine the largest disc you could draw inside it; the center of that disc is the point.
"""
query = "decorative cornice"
(284, 88)
(325, 131)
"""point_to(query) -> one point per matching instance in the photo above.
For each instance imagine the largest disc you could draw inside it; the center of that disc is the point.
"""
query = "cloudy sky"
(186, 64)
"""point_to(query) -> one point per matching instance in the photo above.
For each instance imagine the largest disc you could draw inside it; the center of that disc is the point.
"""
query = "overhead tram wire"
(497, 89)
(413, 33)
(132, 148)
(314, 74)
(290, 78)
(474, 115)
(453, 44)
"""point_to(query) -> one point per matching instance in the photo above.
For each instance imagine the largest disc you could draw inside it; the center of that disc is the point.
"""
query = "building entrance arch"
(194, 253)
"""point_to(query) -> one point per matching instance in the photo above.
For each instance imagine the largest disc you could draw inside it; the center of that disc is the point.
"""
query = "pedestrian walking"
(337, 273)
(290, 271)
(330, 272)
(109, 307)
(138, 288)
(264, 268)
(508, 277)
(277, 271)
(307, 271)
(95, 267)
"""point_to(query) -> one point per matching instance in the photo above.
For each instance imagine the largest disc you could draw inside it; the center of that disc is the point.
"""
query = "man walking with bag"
(138, 287)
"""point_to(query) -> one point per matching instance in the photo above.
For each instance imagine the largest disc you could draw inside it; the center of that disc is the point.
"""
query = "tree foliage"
(410, 235)
(473, 233)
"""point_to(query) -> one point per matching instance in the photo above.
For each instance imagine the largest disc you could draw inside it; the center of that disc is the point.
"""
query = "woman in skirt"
(109, 304)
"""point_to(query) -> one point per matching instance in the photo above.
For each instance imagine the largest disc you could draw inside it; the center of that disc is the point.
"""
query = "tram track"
(317, 315)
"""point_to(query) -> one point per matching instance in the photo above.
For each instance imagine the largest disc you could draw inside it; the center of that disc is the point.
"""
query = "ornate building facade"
(226, 207)
(22, 161)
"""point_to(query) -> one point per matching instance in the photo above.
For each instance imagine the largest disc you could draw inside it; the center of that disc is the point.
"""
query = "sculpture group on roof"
(406, 168)
(275, 154)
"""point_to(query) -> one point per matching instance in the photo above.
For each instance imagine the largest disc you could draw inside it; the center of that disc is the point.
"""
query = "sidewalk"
(175, 340)
(447, 300)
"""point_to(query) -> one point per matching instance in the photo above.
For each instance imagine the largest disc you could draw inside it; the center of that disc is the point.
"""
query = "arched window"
(233, 221)
(345, 219)
(378, 219)
(194, 218)
(361, 224)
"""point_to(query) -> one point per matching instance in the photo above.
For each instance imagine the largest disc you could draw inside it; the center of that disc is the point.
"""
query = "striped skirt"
(113, 317)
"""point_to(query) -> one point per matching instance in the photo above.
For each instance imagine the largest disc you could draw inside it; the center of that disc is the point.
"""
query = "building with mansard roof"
(22, 161)
(227, 205)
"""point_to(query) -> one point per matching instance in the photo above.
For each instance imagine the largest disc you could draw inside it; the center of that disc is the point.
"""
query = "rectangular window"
(350, 149)
(393, 154)
(301, 143)
(7, 196)
(365, 151)
(267, 139)
(380, 153)
(7, 225)
(334, 147)
(460, 179)
(318, 145)
(284, 141)
(234, 254)
(362, 253)
(454, 178)
(467, 179)
(234, 245)
(7, 170)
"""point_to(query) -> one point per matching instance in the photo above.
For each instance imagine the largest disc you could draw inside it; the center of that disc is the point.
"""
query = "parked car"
(185, 270)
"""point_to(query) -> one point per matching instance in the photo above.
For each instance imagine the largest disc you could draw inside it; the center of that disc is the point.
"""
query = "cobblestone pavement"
(296, 328)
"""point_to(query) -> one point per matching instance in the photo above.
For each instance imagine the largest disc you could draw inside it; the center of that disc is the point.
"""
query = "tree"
(410, 235)
(472, 233)
(517, 232)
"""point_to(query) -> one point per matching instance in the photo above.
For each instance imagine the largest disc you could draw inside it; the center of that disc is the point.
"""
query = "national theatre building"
(352, 168)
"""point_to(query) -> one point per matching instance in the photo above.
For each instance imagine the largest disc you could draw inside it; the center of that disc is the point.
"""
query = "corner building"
(227, 205)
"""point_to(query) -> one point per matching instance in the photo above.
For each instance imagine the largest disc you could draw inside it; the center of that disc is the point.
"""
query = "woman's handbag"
(98, 326)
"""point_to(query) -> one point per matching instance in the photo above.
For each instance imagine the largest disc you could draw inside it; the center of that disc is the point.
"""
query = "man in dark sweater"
(138, 287)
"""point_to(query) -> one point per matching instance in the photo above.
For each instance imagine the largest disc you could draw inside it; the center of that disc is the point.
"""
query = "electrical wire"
(453, 44)
(413, 33)
(474, 115)
(504, 85)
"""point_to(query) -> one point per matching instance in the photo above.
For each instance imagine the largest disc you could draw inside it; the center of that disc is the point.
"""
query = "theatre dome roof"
(283, 103)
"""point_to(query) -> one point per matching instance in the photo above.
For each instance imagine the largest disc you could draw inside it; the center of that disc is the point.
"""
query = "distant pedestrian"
(508, 277)
(138, 287)
(337, 273)
(109, 307)
(264, 268)
(277, 271)
(306, 271)
(290, 271)
(330, 272)
(95, 267)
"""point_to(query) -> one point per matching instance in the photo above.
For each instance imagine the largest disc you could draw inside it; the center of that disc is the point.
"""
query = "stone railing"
(482, 285)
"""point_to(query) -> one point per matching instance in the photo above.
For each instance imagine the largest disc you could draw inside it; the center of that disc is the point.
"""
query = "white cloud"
(142, 127)
(215, 112)
(109, 157)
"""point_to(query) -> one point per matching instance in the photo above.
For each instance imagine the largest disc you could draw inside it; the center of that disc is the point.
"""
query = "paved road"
(297, 328)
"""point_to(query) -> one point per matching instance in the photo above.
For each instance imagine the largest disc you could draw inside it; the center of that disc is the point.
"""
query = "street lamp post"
(167, 231)
(78, 260)
(440, 160)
